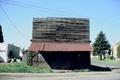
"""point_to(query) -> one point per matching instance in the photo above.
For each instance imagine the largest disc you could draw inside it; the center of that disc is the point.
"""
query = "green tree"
(101, 46)
(1, 35)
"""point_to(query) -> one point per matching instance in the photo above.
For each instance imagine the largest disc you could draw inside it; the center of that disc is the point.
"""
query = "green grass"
(21, 68)
(106, 61)
(109, 61)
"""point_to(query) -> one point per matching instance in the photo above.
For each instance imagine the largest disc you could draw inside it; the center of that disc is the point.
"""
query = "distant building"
(8, 51)
(116, 50)
(61, 43)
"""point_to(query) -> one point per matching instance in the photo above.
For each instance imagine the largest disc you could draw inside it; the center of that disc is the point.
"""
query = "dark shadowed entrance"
(67, 60)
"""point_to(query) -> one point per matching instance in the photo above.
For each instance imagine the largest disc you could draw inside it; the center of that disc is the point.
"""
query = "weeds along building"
(61, 43)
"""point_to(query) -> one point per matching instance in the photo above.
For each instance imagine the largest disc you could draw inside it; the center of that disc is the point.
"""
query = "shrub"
(21, 68)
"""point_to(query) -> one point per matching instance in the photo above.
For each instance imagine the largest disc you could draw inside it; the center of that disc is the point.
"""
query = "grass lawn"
(106, 61)
(109, 61)
(21, 68)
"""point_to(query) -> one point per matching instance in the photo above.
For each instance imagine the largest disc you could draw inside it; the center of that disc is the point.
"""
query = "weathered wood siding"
(61, 30)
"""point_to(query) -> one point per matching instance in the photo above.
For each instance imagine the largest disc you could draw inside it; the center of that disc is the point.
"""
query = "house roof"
(52, 46)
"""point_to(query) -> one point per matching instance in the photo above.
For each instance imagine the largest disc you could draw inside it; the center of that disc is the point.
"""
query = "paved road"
(61, 76)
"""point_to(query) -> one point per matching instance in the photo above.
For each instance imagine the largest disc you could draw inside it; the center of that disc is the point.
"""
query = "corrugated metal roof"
(48, 46)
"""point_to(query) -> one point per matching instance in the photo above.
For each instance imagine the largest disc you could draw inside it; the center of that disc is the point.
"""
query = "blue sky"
(103, 14)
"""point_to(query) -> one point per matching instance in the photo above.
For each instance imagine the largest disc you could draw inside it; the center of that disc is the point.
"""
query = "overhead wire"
(10, 20)
(23, 6)
(36, 7)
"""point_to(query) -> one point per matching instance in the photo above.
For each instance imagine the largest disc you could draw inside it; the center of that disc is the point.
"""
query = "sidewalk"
(61, 76)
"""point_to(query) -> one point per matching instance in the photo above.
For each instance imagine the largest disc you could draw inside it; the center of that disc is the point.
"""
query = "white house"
(116, 54)
(8, 51)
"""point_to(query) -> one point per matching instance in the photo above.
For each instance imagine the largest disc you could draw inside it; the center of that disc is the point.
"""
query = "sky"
(16, 17)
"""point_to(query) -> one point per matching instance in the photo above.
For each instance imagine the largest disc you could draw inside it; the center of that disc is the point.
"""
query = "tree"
(1, 35)
(101, 46)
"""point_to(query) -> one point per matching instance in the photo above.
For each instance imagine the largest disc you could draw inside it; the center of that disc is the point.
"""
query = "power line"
(12, 22)
(25, 6)
(30, 6)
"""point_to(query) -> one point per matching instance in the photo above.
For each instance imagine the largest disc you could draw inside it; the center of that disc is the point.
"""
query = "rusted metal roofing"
(48, 46)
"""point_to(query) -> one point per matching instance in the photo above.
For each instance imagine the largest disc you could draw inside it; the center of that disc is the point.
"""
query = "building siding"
(61, 30)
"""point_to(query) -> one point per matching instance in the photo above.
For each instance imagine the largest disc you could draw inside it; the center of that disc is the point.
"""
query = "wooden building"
(61, 43)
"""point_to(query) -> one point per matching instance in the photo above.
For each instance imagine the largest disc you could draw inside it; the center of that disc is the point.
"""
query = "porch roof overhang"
(53, 46)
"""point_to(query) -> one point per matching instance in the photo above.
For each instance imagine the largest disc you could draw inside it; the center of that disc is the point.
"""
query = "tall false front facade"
(64, 43)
